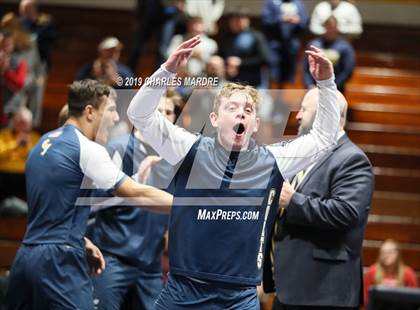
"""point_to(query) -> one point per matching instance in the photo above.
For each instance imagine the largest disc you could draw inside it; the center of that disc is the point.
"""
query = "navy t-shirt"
(132, 234)
(62, 168)
(226, 201)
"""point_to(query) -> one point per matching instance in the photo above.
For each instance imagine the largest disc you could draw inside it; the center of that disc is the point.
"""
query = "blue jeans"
(112, 286)
(182, 293)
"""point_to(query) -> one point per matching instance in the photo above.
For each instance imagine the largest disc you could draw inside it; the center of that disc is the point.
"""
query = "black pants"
(277, 305)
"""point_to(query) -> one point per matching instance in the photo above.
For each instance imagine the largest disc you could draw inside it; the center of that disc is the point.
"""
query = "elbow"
(130, 113)
(135, 119)
(351, 220)
(326, 140)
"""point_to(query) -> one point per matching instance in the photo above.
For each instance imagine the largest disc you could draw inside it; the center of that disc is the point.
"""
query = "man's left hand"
(286, 194)
(95, 258)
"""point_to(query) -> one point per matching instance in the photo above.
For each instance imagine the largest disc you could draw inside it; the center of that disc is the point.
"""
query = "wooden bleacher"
(383, 118)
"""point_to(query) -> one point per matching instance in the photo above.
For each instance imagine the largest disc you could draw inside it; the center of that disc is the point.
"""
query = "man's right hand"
(181, 54)
(146, 167)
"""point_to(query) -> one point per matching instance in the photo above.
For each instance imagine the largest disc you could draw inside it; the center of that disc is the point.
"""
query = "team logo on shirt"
(45, 146)
(270, 200)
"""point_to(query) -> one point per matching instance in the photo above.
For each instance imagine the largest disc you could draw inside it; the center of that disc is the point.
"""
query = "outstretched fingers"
(314, 48)
(191, 43)
(317, 55)
(183, 52)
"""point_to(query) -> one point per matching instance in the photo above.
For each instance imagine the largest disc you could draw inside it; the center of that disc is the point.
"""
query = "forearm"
(144, 196)
(146, 100)
(169, 141)
(305, 150)
(345, 203)
(324, 214)
(327, 119)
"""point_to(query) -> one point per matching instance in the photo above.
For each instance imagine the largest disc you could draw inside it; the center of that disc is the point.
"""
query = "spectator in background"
(42, 25)
(14, 71)
(338, 50)
(216, 68)
(106, 68)
(164, 17)
(245, 50)
(25, 49)
(389, 270)
(317, 238)
(15, 144)
(17, 141)
(209, 10)
(201, 102)
(283, 22)
(202, 53)
(346, 13)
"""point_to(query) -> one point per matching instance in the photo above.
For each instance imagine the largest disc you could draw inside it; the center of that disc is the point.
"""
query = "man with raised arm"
(227, 187)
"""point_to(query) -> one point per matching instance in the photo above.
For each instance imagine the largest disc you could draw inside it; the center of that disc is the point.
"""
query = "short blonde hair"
(230, 88)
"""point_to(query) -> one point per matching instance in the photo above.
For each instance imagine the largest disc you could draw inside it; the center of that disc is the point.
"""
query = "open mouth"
(239, 129)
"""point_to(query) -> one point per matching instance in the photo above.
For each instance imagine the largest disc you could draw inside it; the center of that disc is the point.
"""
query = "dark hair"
(86, 92)
(239, 11)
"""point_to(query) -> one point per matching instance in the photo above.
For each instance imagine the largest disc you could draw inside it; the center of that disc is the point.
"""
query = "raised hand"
(320, 66)
(181, 54)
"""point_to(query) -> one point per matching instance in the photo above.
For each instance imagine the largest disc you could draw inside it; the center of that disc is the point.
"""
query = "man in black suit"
(317, 241)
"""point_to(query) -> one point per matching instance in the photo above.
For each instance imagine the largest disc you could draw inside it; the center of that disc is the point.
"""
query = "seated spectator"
(25, 49)
(161, 17)
(201, 102)
(209, 10)
(338, 50)
(245, 50)
(346, 13)
(106, 68)
(201, 53)
(41, 25)
(283, 22)
(389, 270)
(14, 71)
(15, 144)
(216, 68)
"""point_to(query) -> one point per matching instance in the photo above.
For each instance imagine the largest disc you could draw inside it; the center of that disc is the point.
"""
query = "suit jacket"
(318, 241)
